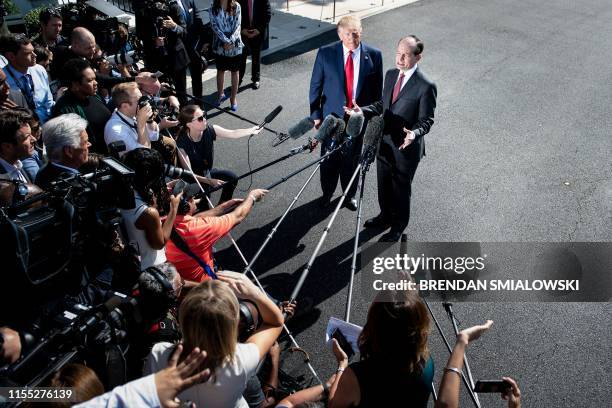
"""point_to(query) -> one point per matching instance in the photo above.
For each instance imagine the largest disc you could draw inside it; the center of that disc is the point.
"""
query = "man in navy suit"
(345, 73)
(407, 106)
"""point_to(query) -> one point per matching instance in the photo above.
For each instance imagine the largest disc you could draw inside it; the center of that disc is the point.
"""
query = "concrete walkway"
(307, 19)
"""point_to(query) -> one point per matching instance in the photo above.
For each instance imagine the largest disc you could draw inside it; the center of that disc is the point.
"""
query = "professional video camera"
(56, 241)
(76, 332)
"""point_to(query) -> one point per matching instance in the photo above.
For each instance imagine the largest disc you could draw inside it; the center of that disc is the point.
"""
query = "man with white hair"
(67, 146)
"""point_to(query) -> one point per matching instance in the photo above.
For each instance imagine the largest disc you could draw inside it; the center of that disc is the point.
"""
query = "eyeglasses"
(199, 119)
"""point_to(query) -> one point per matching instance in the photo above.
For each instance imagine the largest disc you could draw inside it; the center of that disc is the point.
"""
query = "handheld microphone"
(271, 116)
(296, 131)
(327, 129)
(371, 139)
(354, 125)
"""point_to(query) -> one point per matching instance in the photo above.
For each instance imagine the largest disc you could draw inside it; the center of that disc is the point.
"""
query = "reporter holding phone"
(451, 379)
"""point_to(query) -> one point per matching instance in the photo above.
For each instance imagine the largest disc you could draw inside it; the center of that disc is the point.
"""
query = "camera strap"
(182, 245)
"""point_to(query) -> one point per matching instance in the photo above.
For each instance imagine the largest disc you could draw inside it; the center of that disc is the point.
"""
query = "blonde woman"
(208, 317)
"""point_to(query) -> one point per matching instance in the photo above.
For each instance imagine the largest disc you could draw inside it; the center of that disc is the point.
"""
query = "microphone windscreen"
(301, 128)
(354, 125)
(373, 132)
(339, 130)
(273, 114)
(327, 129)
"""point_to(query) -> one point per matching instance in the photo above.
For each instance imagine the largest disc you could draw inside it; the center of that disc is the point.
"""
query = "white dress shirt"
(407, 75)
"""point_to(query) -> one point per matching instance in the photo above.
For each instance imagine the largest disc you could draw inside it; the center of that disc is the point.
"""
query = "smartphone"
(343, 342)
(483, 386)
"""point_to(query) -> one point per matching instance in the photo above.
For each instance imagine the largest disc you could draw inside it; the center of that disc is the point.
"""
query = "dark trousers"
(195, 70)
(252, 47)
(395, 189)
(340, 165)
(180, 84)
(226, 192)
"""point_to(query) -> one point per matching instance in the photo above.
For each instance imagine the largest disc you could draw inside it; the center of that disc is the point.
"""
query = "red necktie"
(251, 12)
(349, 72)
(398, 88)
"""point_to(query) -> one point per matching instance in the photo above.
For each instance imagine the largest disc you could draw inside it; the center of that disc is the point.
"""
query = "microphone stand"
(367, 161)
(449, 310)
(471, 392)
(210, 105)
(306, 270)
(235, 244)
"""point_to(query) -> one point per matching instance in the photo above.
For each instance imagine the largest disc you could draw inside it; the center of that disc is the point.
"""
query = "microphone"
(296, 131)
(354, 125)
(327, 129)
(371, 139)
(271, 116)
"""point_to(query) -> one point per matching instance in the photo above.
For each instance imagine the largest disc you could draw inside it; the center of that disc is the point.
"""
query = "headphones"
(162, 280)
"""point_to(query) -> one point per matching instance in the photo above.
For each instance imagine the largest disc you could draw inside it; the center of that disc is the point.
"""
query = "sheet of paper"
(349, 330)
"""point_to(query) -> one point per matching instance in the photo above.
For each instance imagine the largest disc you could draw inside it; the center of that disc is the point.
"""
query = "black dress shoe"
(391, 236)
(255, 85)
(350, 204)
(377, 222)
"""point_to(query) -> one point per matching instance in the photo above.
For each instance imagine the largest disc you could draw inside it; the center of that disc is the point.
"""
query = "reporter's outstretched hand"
(170, 381)
(513, 395)
(474, 332)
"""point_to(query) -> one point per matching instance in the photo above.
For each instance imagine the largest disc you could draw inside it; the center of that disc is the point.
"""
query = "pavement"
(519, 152)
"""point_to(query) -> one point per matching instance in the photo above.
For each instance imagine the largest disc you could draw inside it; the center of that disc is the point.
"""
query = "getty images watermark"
(574, 272)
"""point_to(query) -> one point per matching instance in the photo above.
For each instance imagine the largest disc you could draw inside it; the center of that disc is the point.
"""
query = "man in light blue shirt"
(23, 74)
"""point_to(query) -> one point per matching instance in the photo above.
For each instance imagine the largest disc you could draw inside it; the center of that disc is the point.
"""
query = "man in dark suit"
(256, 16)
(407, 106)
(345, 73)
(192, 38)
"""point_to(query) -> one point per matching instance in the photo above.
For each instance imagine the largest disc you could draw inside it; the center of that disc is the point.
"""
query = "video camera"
(51, 239)
(75, 331)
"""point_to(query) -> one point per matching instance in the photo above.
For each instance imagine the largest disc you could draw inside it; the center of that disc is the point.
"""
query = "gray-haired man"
(67, 146)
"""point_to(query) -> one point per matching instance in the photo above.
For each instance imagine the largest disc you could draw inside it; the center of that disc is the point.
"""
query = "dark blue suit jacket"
(327, 91)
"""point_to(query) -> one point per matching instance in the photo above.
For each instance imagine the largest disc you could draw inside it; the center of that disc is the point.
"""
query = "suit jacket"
(413, 109)
(327, 90)
(262, 13)
(194, 25)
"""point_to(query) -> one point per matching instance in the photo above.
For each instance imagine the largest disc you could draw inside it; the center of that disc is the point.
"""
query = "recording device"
(491, 386)
(371, 139)
(178, 173)
(249, 320)
(144, 101)
(46, 248)
(296, 131)
(271, 116)
(123, 58)
(328, 129)
(76, 327)
(354, 125)
(343, 342)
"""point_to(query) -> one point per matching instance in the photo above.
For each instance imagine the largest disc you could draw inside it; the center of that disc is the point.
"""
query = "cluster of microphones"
(335, 132)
